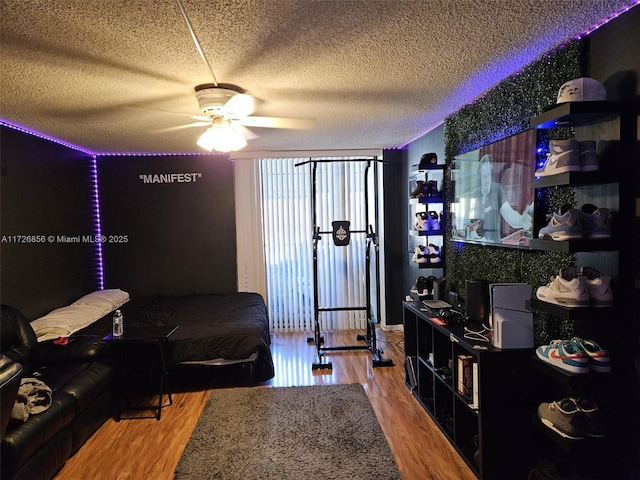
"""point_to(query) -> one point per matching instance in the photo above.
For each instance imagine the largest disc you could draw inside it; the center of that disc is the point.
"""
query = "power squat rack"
(341, 234)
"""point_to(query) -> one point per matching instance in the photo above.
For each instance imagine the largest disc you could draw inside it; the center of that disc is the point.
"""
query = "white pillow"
(113, 297)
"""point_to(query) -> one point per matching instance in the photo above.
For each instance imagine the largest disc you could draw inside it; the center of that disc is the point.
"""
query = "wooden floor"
(150, 449)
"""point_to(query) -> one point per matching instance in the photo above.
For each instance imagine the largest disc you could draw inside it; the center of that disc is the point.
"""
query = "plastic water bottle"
(118, 324)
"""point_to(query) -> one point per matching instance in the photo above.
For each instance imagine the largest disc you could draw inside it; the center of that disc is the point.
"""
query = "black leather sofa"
(82, 381)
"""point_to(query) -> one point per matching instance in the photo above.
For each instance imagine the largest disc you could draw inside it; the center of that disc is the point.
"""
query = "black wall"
(394, 234)
(175, 235)
(46, 194)
(159, 238)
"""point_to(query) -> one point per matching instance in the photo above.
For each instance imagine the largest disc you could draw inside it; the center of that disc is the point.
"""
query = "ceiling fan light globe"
(222, 139)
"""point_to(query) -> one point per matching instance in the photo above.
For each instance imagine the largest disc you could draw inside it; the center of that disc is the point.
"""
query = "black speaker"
(476, 300)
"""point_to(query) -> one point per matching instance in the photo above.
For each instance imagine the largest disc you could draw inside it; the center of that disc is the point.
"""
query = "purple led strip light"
(43, 136)
(605, 20)
(97, 221)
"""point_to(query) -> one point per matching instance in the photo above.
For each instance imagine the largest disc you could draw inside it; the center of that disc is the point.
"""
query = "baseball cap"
(428, 159)
(583, 89)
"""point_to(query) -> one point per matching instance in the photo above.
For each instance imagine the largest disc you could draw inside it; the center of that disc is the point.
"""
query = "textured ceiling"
(110, 75)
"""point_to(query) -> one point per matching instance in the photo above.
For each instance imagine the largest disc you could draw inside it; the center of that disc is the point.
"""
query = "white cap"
(583, 89)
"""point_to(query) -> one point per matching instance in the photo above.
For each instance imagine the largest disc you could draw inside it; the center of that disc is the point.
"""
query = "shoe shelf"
(483, 428)
(575, 114)
(576, 381)
(426, 233)
(426, 200)
(578, 245)
(432, 179)
(575, 179)
(430, 265)
(427, 168)
(571, 313)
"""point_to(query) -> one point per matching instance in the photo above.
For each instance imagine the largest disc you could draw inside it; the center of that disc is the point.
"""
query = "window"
(287, 229)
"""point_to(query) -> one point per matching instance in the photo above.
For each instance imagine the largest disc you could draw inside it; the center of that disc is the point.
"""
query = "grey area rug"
(288, 433)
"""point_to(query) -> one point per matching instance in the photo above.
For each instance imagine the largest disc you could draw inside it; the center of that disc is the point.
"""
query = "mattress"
(228, 326)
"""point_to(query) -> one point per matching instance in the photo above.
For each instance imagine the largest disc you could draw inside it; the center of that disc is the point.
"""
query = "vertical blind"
(287, 222)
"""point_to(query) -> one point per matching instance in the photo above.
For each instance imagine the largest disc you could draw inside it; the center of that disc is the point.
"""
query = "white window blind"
(288, 241)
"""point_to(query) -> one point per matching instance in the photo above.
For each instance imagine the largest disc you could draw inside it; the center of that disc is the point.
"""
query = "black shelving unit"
(423, 204)
(604, 122)
(487, 435)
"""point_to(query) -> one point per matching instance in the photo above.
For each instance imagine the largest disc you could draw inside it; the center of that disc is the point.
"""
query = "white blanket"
(64, 321)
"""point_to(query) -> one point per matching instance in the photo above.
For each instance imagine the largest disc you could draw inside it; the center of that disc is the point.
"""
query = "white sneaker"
(598, 286)
(588, 156)
(422, 222)
(420, 254)
(566, 289)
(433, 221)
(595, 221)
(563, 157)
(564, 225)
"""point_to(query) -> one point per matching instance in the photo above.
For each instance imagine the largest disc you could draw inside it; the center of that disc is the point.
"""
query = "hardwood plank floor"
(148, 449)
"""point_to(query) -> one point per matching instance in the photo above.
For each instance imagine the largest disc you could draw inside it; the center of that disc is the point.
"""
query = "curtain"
(288, 236)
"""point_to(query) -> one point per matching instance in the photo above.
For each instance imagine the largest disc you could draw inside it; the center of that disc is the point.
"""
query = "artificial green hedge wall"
(505, 110)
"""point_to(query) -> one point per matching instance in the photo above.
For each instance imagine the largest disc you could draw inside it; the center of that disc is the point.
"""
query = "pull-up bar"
(341, 234)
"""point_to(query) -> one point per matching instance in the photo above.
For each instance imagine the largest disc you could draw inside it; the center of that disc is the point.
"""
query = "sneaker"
(432, 189)
(598, 286)
(563, 157)
(566, 289)
(594, 426)
(434, 253)
(595, 221)
(421, 286)
(420, 254)
(563, 225)
(422, 221)
(599, 360)
(433, 221)
(565, 355)
(563, 417)
(588, 156)
(419, 191)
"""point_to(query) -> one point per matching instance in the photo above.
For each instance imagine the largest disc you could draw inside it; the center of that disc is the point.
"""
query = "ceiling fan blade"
(278, 122)
(240, 105)
(183, 127)
(245, 132)
(200, 118)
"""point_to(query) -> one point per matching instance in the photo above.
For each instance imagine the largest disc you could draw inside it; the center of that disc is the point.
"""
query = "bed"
(214, 329)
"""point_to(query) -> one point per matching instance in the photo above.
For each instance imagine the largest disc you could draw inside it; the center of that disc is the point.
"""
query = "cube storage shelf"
(489, 438)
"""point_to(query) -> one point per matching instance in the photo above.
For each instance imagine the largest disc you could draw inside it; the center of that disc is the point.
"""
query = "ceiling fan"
(228, 108)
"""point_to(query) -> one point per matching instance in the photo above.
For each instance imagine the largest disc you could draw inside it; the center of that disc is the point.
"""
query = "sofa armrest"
(10, 375)
(74, 349)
